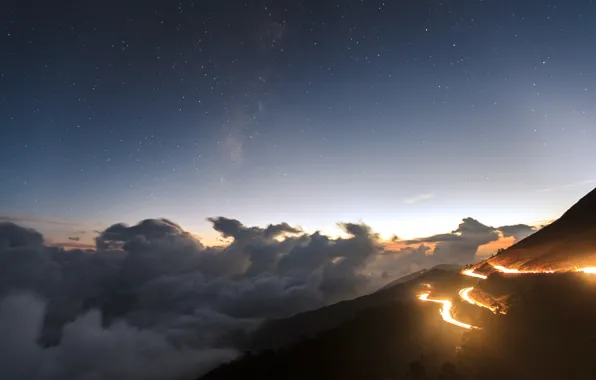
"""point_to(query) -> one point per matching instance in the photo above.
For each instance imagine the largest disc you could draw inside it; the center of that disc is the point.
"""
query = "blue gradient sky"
(406, 115)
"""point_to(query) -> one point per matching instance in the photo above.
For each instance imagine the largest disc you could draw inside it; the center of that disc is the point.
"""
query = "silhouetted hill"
(378, 343)
(548, 333)
(568, 242)
(385, 332)
(281, 332)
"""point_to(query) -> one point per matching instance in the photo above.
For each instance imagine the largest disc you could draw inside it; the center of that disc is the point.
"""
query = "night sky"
(407, 115)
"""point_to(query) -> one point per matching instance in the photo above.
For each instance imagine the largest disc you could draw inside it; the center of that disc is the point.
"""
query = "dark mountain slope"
(281, 332)
(378, 343)
(567, 243)
(547, 333)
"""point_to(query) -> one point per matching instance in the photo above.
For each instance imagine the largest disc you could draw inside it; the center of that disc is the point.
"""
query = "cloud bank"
(151, 302)
(419, 198)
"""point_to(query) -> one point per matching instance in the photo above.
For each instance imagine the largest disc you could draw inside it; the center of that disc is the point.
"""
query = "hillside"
(547, 333)
(567, 243)
(378, 337)
(544, 331)
(281, 332)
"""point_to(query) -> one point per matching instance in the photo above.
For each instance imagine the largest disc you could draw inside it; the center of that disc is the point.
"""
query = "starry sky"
(408, 115)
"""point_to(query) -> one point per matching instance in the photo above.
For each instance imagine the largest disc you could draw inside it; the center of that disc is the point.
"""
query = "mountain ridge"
(281, 332)
(565, 244)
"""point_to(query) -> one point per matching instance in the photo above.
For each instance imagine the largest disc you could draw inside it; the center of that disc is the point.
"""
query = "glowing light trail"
(446, 311)
(471, 273)
(465, 295)
(507, 270)
(589, 270)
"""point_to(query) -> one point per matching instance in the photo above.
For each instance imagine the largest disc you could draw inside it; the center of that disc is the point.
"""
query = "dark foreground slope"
(548, 333)
(377, 342)
(566, 243)
(282, 332)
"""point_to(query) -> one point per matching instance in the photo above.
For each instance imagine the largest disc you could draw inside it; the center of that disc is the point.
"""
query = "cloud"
(13, 235)
(91, 351)
(393, 264)
(150, 301)
(33, 219)
(518, 231)
(71, 245)
(436, 239)
(461, 245)
(419, 198)
(149, 230)
(233, 228)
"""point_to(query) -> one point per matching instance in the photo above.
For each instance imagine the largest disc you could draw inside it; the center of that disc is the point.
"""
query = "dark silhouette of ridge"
(547, 332)
(567, 243)
(388, 334)
(281, 332)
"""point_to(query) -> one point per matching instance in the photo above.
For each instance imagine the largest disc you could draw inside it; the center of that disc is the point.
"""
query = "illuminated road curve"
(506, 270)
(465, 295)
(446, 310)
(471, 273)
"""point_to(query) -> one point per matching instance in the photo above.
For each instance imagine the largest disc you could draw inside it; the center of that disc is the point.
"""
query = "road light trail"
(465, 295)
(502, 269)
(446, 311)
(589, 270)
(471, 273)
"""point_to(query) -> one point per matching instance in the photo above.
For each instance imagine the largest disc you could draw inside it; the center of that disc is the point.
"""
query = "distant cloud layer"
(151, 302)
(461, 245)
(30, 219)
(518, 231)
(419, 198)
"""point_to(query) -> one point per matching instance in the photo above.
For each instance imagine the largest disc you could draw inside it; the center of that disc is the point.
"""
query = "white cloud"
(151, 300)
(419, 198)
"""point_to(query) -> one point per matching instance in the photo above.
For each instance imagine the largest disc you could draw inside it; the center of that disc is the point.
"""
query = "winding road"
(447, 309)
